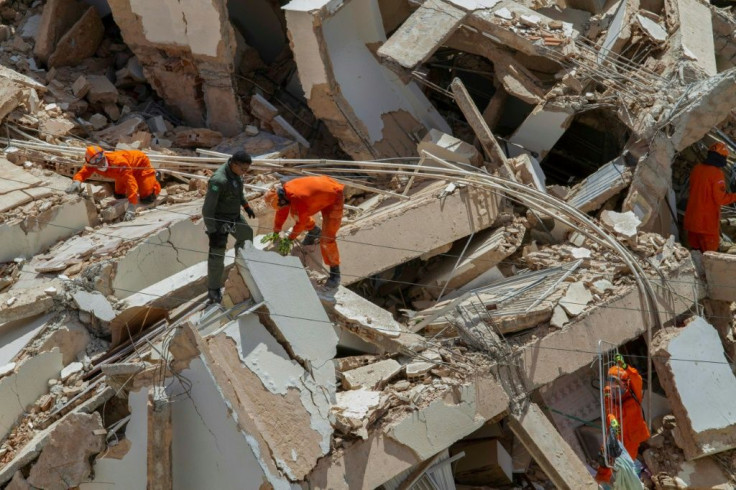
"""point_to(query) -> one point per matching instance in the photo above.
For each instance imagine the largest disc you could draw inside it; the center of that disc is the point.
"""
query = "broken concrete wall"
(719, 273)
(701, 393)
(36, 234)
(693, 40)
(364, 105)
(187, 51)
(125, 463)
(25, 385)
(366, 464)
(406, 230)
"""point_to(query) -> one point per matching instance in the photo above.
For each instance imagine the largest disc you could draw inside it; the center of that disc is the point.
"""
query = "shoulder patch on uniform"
(214, 187)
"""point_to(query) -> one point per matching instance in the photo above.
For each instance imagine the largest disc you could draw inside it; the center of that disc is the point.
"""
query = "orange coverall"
(604, 474)
(634, 426)
(131, 170)
(307, 196)
(703, 212)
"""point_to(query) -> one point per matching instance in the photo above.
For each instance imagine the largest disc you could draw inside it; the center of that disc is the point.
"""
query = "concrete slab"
(95, 304)
(36, 234)
(694, 39)
(129, 469)
(15, 335)
(449, 148)
(486, 250)
(297, 317)
(624, 224)
(720, 271)
(576, 298)
(600, 186)
(541, 130)
(549, 449)
(701, 393)
(422, 33)
(397, 233)
(20, 304)
(373, 376)
(370, 111)
(25, 386)
(486, 462)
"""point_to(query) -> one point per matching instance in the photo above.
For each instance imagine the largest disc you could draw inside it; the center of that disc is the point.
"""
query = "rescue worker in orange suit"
(303, 197)
(628, 385)
(134, 176)
(707, 195)
(616, 468)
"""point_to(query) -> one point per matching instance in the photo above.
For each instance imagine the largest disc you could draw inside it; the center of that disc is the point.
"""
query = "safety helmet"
(272, 198)
(94, 155)
(618, 373)
(719, 148)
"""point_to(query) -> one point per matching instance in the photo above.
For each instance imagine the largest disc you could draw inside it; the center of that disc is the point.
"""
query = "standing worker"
(303, 197)
(221, 213)
(629, 386)
(707, 195)
(131, 170)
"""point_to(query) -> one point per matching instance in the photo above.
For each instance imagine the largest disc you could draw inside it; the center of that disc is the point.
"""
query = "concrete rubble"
(515, 179)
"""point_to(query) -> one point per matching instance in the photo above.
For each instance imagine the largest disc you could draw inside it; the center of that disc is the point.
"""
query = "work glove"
(129, 213)
(285, 246)
(614, 426)
(271, 237)
(76, 187)
(249, 212)
(620, 361)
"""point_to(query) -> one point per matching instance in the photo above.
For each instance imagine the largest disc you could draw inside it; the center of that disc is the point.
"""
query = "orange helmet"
(94, 155)
(719, 148)
(272, 198)
(618, 373)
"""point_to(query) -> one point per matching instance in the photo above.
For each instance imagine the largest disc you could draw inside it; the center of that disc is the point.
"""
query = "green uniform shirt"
(224, 198)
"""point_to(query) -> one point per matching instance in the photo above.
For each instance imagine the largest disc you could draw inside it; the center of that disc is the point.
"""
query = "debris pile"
(515, 176)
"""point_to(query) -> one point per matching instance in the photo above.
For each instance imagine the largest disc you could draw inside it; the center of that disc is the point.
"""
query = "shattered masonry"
(515, 175)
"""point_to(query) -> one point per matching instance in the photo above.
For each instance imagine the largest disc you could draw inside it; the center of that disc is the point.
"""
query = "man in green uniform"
(221, 213)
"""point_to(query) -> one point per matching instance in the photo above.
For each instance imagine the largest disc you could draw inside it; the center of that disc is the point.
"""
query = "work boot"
(214, 296)
(312, 236)
(334, 280)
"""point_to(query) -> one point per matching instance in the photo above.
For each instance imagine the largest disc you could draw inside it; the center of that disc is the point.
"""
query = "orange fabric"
(308, 196)
(603, 475)
(634, 426)
(707, 195)
(131, 170)
(703, 242)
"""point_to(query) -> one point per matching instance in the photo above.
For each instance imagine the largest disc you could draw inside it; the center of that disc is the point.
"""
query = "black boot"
(334, 280)
(214, 296)
(312, 236)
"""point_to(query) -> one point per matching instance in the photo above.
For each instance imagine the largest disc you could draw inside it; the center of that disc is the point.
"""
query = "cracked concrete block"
(65, 461)
(95, 304)
(297, 317)
(169, 243)
(624, 224)
(36, 234)
(449, 148)
(25, 386)
(694, 39)
(19, 304)
(370, 111)
(80, 41)
(71, 370)
(540, 131)
(720, 269)
(126, 469)
(101, 90)
(422, 34)
(57, 18)
(281, 409)
(15, 335)
(398, 232)
(576, 298)
(213, 428)
(701, 393)
(373, 376)
(426, 431)
(485, 463)
(262, 109)
(71, 339)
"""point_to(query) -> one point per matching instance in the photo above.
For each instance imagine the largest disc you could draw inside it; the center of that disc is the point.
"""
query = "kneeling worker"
(131, 170)
(303, 197)
(221, 213)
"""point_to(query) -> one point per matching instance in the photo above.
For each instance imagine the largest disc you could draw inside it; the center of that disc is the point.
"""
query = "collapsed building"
(515, 171)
